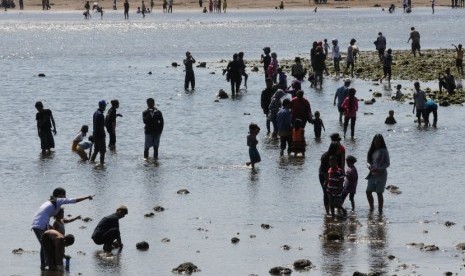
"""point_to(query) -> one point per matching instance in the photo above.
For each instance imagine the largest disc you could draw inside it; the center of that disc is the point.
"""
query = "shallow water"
(203, 146)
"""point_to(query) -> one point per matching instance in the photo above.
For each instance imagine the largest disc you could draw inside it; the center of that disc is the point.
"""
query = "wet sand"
(405, 67)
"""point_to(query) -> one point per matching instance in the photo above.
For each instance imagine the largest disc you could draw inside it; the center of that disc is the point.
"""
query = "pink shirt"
(350, 112)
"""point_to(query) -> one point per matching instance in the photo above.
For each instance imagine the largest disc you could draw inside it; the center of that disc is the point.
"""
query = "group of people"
(214, 6)
(53, 238)
(102, 124)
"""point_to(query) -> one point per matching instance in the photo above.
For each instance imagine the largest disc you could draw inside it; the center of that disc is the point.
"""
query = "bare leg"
(380, 202)
(370, 201)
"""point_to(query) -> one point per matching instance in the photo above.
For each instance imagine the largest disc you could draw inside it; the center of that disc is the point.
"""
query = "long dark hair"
(373, 147)
(351, 96)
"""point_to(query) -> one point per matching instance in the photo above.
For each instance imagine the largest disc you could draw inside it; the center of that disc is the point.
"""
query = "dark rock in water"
(279, 270)
(419, 245)
(246, 113)
(81, 253)
(212, 73)
(448, 273)
(285, 247)
(460, 246)
(18, 251)
(216, 101)
(431, 247)
(255, 69)
(357, 273)
(183, 192)
(158, 209)
(165, 240)
(235, 240)
(143, 245)
(222, 94)
(174, 64)
(42, 75)
(377, 94)
(265, 226)
(334, 236)
(449, 223)
(149, 215)
(367, 113)
(444, 103)
(87, 219)
(202, 64)
(302, 264)
(186, 268)
(370, 101)
(391, 257)
(150, 73)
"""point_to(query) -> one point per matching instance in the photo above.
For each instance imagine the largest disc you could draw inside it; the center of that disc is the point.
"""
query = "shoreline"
(63, 5)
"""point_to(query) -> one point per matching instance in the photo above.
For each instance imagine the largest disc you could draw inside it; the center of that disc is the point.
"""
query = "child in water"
(390, 120)
(298, 138)
(60, 221)
(318, 125)
(399, 94)
(350, 181)
(83, 146)
(335, 186)
(252, 142)
(79, 137)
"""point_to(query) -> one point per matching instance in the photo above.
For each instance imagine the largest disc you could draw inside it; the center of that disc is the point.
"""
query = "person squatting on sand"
(107, 231)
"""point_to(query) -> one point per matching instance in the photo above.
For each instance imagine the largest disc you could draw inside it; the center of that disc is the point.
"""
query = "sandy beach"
(232, 5)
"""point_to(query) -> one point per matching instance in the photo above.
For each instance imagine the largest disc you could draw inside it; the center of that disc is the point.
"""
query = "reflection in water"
(253, 176)
(108, 264)
(333, 250)
(376, 232)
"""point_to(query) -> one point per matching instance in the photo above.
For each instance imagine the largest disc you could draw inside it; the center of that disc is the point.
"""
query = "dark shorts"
(100, 145)
(415, 46)
(387, 71)
(152, 140)
(458, 62)
(46, 140)
(420, 112)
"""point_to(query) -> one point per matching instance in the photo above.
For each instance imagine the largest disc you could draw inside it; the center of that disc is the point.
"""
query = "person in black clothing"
(241, 61)
(266, 60)
(126, 9)
(107, 230)
(234, 71)
(154, 123)
(99, 132)
(319, 66)
(110, 122)
(45, 122)
(190, 77)
(265, 101)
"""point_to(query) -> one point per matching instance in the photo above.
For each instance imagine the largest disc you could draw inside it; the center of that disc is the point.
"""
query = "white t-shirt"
(47, 210)
(79, 137)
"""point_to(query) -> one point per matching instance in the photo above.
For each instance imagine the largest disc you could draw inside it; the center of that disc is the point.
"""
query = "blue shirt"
(341, 94)
(284, 120)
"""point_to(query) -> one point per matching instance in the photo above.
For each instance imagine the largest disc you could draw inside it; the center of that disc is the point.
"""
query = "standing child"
(459, 58)
(79, 137)
(282, 79)
(252, 142)
(335, 186)
(298, 138)
(318, 125)
(60, 221)
(350, 181)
